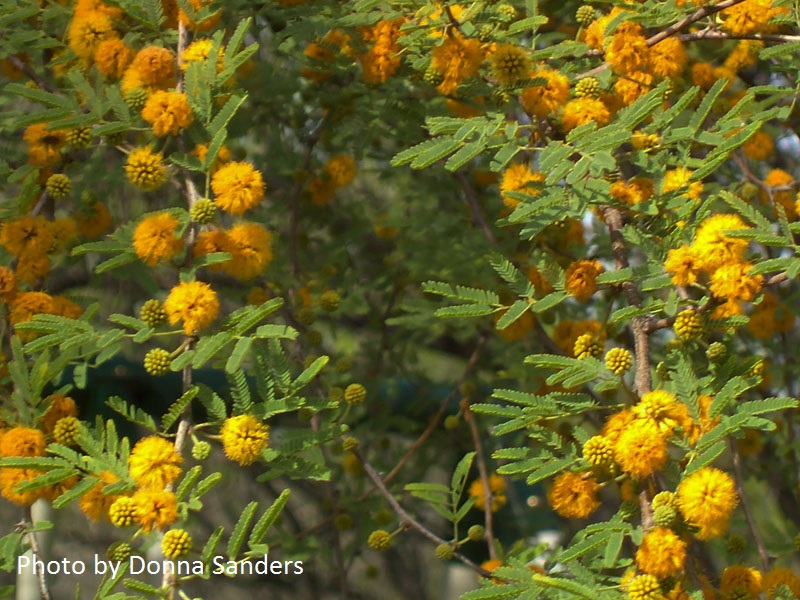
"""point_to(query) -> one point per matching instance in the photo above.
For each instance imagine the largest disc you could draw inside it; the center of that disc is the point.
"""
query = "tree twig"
(485, 483)
(44, 590)
(474, 207)
(748, 515)
(408, 520)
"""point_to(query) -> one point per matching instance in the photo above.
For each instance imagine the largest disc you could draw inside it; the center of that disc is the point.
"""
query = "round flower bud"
(749, 191)
(476, 533)
(314, 338)
(349, 443)
(618, 360)
(665, 516)
(585, 15)
(306, 316)
(66, 431)
(587, 88)
(343, 522)
(119, 551)
(598, 451)
(355, 393)
(156, 362)
(329, 300)
(58, 186)
(451, 422)
(136, 99)
(122, 512)
(505, 12)
(689, 325)
(586, 345)
(716, 352)
(336, 394)
(444, 552)
(485, 34)
(379, 540)
(79, 137)
(153, 313)
(644, 587)
(201, 450)
(736, 544)
(203, 211)
(433, 76)
(176, 543)
(663, 499)
(344, 364)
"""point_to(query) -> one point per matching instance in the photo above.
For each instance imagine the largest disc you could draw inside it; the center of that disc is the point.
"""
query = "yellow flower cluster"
(243, 438)
(497, 486)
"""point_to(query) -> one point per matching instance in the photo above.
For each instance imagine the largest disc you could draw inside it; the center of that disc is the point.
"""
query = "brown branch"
(699, 14)
(488, 497)
(21, 66)
(34, 543)
(475, 208)
(716, 34)
(640, 323)
(748, 515)
(408, 521)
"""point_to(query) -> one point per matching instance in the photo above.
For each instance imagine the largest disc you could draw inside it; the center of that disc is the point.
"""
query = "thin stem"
(484, 474)
(408, 520)
(475, 208)
(748, 514)
(34, 543)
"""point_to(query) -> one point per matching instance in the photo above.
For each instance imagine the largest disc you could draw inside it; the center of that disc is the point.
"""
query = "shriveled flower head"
(668, 58)
(243, 438)
(382, 59)
(10, 478)
(210, 242)
(206, 24)
(28, 304)
(581, 279)
(733, 282)
(706, 500)
(154, 509)
(456, 59)
(154, 238)
(574, 495)
(518, 177)
(683, 264)
(94, 220)
(154, 463)
(641, 449)
(112, 57)
(627, 53)
(155, 67)
(168, 112)
(545, 98)
(580, 111)
(678, 179)
(341, 170)
(632, 87)
(510, 63)
(22, 441)
(739, 581)
(59, 407)
(87, 30)
(145, 169)
(28, 236)
(662, 553)
(94, 503)
(44, 145)
(712, 245)
(237, 187)
(250, 247)
(194, 303)
(8, 284)
(497, 485)
(781, 576)
(751, 16)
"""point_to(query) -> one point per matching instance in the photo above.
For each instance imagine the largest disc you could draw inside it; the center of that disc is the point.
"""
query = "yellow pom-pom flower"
(155, 509)
(662, 553)
(237, 187)
(706, 500)
(641, 448)
(154, 463)
(243, 438)
(574, 495)
(194, 303)
(169, 113)
(154, 238)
